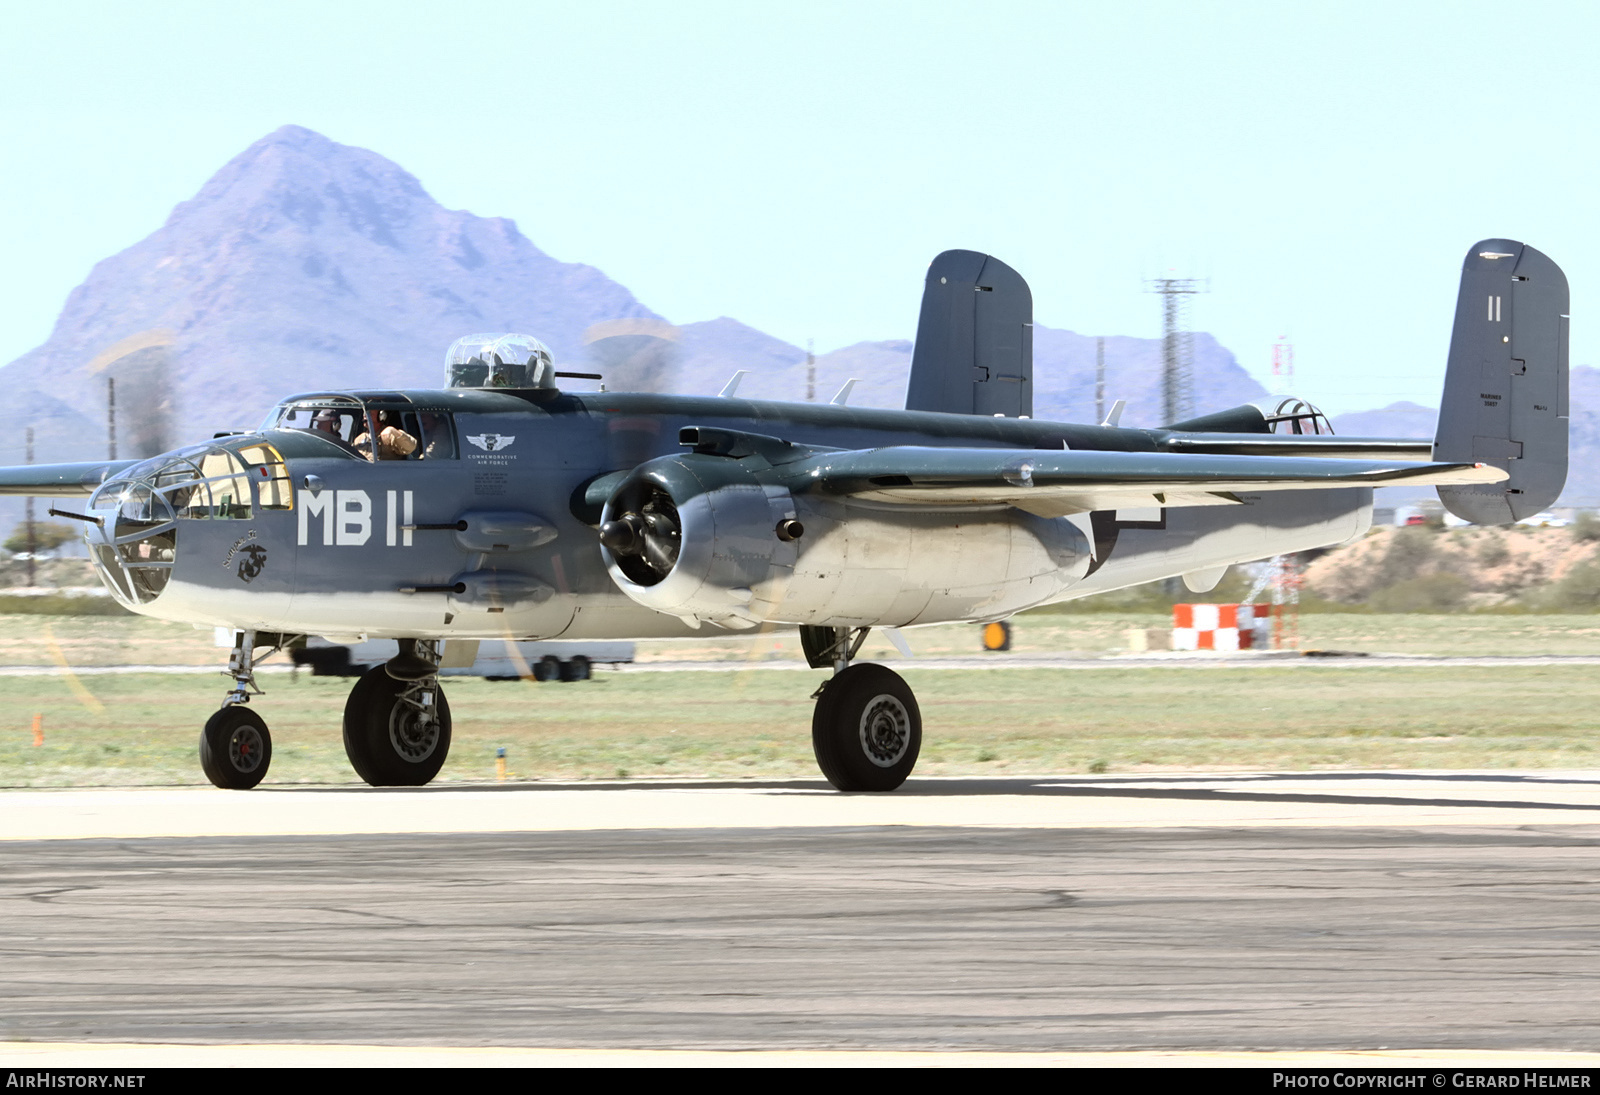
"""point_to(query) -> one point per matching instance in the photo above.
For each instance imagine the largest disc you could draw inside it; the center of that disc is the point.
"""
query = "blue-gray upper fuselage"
(303, 534)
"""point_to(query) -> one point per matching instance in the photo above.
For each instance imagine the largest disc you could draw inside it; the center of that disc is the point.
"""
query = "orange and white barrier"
(1221, 627)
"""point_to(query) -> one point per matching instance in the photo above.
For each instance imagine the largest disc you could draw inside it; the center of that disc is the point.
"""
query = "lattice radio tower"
(1282, 366)
(1177, 346)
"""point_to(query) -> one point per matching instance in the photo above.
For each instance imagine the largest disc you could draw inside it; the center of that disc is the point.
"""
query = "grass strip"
(757, 724)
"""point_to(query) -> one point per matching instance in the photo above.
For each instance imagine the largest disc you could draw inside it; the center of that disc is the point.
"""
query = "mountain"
(303, 265)
(1401, 419)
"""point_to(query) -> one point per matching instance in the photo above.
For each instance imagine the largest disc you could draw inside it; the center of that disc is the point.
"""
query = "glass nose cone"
(135, 542)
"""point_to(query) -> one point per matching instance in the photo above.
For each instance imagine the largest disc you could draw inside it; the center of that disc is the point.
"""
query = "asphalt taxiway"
(1376, 913)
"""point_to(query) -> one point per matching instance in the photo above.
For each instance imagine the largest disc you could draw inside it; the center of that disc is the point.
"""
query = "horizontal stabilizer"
(1505, 387)
(1054, 483)
(1325, 446)
(59, 480)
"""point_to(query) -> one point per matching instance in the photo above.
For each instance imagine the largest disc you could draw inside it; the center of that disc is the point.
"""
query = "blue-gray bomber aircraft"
(501, 506)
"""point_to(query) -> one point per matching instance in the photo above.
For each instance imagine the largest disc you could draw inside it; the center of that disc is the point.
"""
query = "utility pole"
(33, 539)
(1177, 346)
(1100, 380)
(111, 417)
(811, 372)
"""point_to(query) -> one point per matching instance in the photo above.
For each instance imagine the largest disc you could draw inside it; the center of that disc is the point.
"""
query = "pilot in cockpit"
(436, 441)
(394, 443)
(327, 422)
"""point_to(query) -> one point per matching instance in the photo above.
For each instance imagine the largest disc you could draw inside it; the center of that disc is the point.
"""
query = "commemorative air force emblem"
(491, 442)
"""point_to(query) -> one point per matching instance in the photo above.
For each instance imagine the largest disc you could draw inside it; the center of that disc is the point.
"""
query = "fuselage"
(306, 535)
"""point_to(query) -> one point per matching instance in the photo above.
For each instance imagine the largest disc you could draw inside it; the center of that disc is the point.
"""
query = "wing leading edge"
(59, 480)
(1055, 484)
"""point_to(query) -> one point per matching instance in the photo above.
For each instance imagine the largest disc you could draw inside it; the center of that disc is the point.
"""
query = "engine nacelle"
(715, 539)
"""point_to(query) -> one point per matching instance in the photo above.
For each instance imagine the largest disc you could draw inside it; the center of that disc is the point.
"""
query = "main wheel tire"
(547, 668)
(391, 740)
(866, 729)
(235, 748)
(576, 668)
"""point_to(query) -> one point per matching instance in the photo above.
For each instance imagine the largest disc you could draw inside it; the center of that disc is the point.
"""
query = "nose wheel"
(235, 748)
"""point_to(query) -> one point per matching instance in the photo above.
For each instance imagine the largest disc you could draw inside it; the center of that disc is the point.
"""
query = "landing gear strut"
(235, 746)
(866, 729)
(397, 721)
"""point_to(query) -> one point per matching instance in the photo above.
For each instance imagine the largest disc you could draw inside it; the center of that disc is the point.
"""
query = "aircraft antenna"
(1177, 346)
(111, 417)
(1282, 366)
(33, 540)
(1099, 380)
(811, 372)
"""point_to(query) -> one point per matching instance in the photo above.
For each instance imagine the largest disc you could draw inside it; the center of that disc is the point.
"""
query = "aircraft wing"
(1054, 483)
(59, 480)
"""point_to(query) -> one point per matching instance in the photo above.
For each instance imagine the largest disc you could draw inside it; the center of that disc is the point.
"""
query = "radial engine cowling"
(693, 536)
(715, 539)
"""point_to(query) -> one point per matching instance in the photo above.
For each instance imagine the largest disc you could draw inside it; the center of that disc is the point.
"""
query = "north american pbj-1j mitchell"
(503, 506)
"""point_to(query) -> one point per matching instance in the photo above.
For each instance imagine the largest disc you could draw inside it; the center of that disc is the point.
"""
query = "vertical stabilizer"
(974, 350)
(1505, 388)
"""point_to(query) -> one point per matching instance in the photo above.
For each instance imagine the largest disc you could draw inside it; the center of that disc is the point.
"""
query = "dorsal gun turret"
(499, 361)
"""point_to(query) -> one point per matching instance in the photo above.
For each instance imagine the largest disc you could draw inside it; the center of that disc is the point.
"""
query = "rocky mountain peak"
(305, 264)
(295, 179)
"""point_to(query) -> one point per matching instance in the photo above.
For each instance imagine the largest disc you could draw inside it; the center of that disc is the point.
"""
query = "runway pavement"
(1376, 917)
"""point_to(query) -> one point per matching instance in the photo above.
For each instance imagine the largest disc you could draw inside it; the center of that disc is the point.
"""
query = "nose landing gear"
(235, 746)
(866, 729)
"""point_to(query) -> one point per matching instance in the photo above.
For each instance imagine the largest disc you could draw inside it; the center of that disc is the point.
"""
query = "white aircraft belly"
(1201, 538)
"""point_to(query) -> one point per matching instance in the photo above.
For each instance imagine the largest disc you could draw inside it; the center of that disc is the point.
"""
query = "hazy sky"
(797, 165)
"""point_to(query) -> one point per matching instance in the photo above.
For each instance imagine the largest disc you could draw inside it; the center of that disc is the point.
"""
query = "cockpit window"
(402, 434)
(209, 482)
(343, 423)
(270, 474)
(435, 435)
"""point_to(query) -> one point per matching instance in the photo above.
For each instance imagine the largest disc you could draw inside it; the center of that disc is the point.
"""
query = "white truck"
(491, 659)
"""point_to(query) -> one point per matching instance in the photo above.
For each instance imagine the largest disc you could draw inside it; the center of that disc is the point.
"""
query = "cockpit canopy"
(1292, 415)
(499, 361)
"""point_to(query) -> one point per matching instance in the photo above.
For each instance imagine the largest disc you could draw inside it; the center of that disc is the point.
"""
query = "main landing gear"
(397, 721)
(866, 729)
